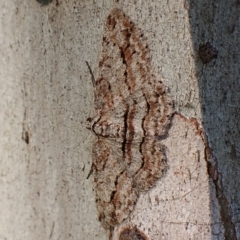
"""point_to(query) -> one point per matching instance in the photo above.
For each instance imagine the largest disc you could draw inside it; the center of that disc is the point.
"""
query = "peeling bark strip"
(133, 110)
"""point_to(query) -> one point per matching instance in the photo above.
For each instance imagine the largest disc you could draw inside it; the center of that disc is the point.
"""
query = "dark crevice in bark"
(225, 211)
(125, 117)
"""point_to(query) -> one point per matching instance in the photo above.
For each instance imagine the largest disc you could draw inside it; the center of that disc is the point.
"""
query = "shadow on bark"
(218, 23)
(44, 2)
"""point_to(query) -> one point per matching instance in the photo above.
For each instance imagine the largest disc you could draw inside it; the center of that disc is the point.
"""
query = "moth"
(133, 112)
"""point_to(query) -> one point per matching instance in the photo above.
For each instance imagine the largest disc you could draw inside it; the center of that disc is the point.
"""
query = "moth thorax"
(105, 129)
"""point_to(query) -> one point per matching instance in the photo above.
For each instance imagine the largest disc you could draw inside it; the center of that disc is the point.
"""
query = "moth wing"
(115, 194)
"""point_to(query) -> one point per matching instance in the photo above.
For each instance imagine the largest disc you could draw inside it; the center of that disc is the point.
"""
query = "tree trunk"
(46, 150)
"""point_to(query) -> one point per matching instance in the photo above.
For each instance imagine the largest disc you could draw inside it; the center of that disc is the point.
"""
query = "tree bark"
(48, 95)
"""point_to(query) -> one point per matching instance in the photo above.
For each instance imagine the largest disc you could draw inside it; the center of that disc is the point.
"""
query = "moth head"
(91, 122)
(102, 127)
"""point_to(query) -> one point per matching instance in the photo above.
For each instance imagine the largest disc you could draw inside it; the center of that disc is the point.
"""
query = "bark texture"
(47, 95)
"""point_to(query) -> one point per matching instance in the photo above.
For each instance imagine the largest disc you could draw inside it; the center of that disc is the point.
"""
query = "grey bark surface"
(47, 95)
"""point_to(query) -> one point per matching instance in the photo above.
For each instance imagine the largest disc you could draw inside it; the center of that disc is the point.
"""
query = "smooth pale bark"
(47, 95)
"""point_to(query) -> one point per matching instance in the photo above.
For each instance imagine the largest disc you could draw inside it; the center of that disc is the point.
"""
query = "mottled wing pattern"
(115, 193)
(133, 111)
(122, 65)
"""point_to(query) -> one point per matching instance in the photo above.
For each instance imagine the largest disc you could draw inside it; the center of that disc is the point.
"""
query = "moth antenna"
(91, 72)
(90, 172)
